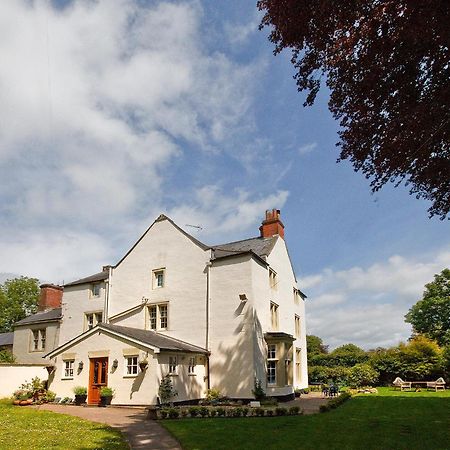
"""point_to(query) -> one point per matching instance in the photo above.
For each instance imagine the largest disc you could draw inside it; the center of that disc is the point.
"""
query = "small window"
(272, 364)
(172, 365)
(92, 319)
(273, 279)
(95, 290)
(274, 316)
(158, 278)
(191, 367)
(158, 317)
(131, 365)
(38, 340)
(297, 326)
(68, 368)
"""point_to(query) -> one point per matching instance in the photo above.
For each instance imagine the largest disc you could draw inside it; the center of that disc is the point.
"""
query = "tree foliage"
(431, 315)
(19, 297)
(314, 344)
(386, 63)
(362, 375)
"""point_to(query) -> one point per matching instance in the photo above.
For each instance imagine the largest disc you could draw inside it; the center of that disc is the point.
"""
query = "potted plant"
(80, 395)
(106, 395)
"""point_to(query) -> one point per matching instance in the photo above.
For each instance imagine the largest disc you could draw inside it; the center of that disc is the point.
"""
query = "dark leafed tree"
(386, 64)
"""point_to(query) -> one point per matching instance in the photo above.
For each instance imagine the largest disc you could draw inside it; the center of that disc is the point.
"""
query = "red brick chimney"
(272, 224)
(51, 297)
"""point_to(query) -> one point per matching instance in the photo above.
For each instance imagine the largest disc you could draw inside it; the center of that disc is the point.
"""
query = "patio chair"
(334, 390)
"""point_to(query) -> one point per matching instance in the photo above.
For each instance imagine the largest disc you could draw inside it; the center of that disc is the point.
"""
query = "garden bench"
(436, 385)
(399, 383)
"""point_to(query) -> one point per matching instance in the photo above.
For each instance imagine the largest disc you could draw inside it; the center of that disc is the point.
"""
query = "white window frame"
(298, 325)
(191, 366)
(298, 361)
(273, 279)
(68, 369)
(157, 275)
(131, 366)
(274, 321)
(94, 287)
(272, 362)
(38, 340)
(158, 315)
(173, 365)
(95, 315)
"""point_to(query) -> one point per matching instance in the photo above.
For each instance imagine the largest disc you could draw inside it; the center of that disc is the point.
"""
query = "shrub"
(324, 408)
(259, 412)
(184, 413)
(166, 391)
(174, 413)
(245, 412)
(164, 413)
(294, 410)
(213, 412)
(50, 396)
(258, 390)
(335, 402)
(362, 375)
(194, 411)
(66, 400)
(237, 412)
(204, 412)
(7, 357)
(281, 411)
(269, 412)
(305, 391)
(269, 402)
(221, 412)
(79, 390)
(213, 395)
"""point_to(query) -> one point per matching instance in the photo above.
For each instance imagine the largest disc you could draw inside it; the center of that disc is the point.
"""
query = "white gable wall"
(184, 262)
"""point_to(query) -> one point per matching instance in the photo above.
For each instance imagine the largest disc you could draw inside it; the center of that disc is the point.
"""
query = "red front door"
(98, 377)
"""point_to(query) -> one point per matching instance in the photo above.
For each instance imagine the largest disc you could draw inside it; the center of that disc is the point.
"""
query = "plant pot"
(23, 403)
(16, 402)
(104, 401)
(80, 399)
(297, 394)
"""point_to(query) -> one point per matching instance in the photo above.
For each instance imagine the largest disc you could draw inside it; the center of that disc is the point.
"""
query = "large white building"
(209, 316)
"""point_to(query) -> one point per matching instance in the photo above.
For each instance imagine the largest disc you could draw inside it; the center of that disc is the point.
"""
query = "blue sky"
(113, 112)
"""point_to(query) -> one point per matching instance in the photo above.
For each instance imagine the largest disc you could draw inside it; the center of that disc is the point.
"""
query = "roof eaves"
(245, 252)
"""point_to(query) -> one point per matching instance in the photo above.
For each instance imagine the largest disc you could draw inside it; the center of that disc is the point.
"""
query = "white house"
(209, 316)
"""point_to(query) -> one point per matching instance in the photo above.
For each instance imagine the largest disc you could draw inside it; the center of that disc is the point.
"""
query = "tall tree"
(387, 65)
(19, 297)
(431, 315)
(314, 344)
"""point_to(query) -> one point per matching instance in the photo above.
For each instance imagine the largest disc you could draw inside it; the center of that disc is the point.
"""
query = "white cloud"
(307, 148)
(366, 306)
(240, 33)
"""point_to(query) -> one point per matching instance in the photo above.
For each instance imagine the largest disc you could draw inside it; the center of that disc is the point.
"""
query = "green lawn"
(22, 427)
(390, 420)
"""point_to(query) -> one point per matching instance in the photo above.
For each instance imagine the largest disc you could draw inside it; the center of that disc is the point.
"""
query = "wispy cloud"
(307, 148)
(366, 306)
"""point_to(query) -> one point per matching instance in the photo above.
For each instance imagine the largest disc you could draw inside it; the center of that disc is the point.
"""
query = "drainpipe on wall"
(208, 312)
(108, 289)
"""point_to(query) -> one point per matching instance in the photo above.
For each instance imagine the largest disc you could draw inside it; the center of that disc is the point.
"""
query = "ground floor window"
(68, 368)
(173, 364)
(272, 364)
(191, 367)
(131, 365)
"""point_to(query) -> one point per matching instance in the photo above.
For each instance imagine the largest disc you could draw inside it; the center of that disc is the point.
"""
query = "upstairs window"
(297, 326)
(158, 316)
(274, 316)
(38, 339)
(92, 319)
(272, 279)
(158, 278)
(298, 359)
(95, 290)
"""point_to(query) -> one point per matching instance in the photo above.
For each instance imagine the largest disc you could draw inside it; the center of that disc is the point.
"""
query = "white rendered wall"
(164, 246)
(135, 390)
(13, 375)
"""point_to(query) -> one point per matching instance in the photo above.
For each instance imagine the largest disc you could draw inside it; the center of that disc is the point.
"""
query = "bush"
(362, 375)
(269, 412)
(258, 390)
(221, 412)
(174, 413)
(50, 396)
(213, 412)
(66, 400)
(245, 412)
(269, 402)
(164, 413)
(259, 412)
(106, 391)
(213, 395)
(184, 413)
(204, 412)
(166, 391)
(281, 411)
(324, 408)
(322, 374)
(294, 410)
(7, 357)
(194, 411)
(236, 412)
(335, 402)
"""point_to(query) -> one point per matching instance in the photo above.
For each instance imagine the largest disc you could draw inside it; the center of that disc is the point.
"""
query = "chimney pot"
(272, 224)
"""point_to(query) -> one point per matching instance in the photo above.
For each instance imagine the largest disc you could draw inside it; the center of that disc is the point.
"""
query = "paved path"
(309, 403)
(140, 432)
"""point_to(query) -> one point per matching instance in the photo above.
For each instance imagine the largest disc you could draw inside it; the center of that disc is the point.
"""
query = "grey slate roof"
(6, 339)
(258, 245)
(42, 316)
(90, 279)
(153, 338)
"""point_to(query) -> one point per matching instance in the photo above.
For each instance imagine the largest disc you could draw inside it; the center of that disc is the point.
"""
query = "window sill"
(131, 376)
(192, 374)
(173, 374)
(67, 378)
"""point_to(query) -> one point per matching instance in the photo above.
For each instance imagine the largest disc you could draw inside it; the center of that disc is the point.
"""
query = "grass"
(26, 428)
(388, 420)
